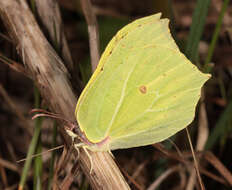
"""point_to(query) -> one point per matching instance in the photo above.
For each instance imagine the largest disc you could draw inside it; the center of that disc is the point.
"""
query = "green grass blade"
(198, 23)
(220, 127)
(52, 161)
(207, 67)
(33, 143)
(38, 163)
(225, 118)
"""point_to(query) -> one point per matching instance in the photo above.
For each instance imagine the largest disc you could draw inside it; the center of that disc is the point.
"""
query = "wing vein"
(149, 110)
(151, 129)
(120, 101)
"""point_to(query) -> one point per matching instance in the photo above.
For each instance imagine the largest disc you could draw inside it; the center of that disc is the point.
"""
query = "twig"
(139, 169)
(13, 65)
(162, 177)
(51, 78)
(5, 37)
(45, 152)
(9, 165)
(93, 32)
(187, 163)
(70, 176)
(216, 163)
(196, 164)
(50, 16)
(15, 109)
(203, 133)
(131, 180)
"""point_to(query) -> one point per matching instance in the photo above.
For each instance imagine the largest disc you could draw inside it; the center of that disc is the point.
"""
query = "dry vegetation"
(49, 69)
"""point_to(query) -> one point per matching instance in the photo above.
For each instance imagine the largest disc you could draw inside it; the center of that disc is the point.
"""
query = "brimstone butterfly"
(143, 91)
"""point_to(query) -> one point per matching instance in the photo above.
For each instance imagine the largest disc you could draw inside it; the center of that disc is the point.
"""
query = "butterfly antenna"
(44, 113)
(35, 110)
(50, 115)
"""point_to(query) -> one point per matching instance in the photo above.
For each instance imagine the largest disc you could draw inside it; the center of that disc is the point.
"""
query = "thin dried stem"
(51, 78)
(13, 65)
(195, 161)
(187, 163)
(162, 177)
(216, 163)
(39, 154)
(16, 110)
(9, 165)
(203, 133)
(93, 32)
(50, 16)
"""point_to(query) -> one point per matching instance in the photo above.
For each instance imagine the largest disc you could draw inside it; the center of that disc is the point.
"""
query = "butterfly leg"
(90, 159)
(82, 145)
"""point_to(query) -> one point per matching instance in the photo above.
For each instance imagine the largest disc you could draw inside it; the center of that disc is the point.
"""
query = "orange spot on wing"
(143, 89)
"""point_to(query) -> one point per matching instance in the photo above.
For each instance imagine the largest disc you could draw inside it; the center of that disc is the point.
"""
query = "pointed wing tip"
(206, 76)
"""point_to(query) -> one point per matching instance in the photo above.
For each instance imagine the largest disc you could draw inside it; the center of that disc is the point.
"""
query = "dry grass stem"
(93, 32)
(51, 78)
(202, 136)
(50, 16)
